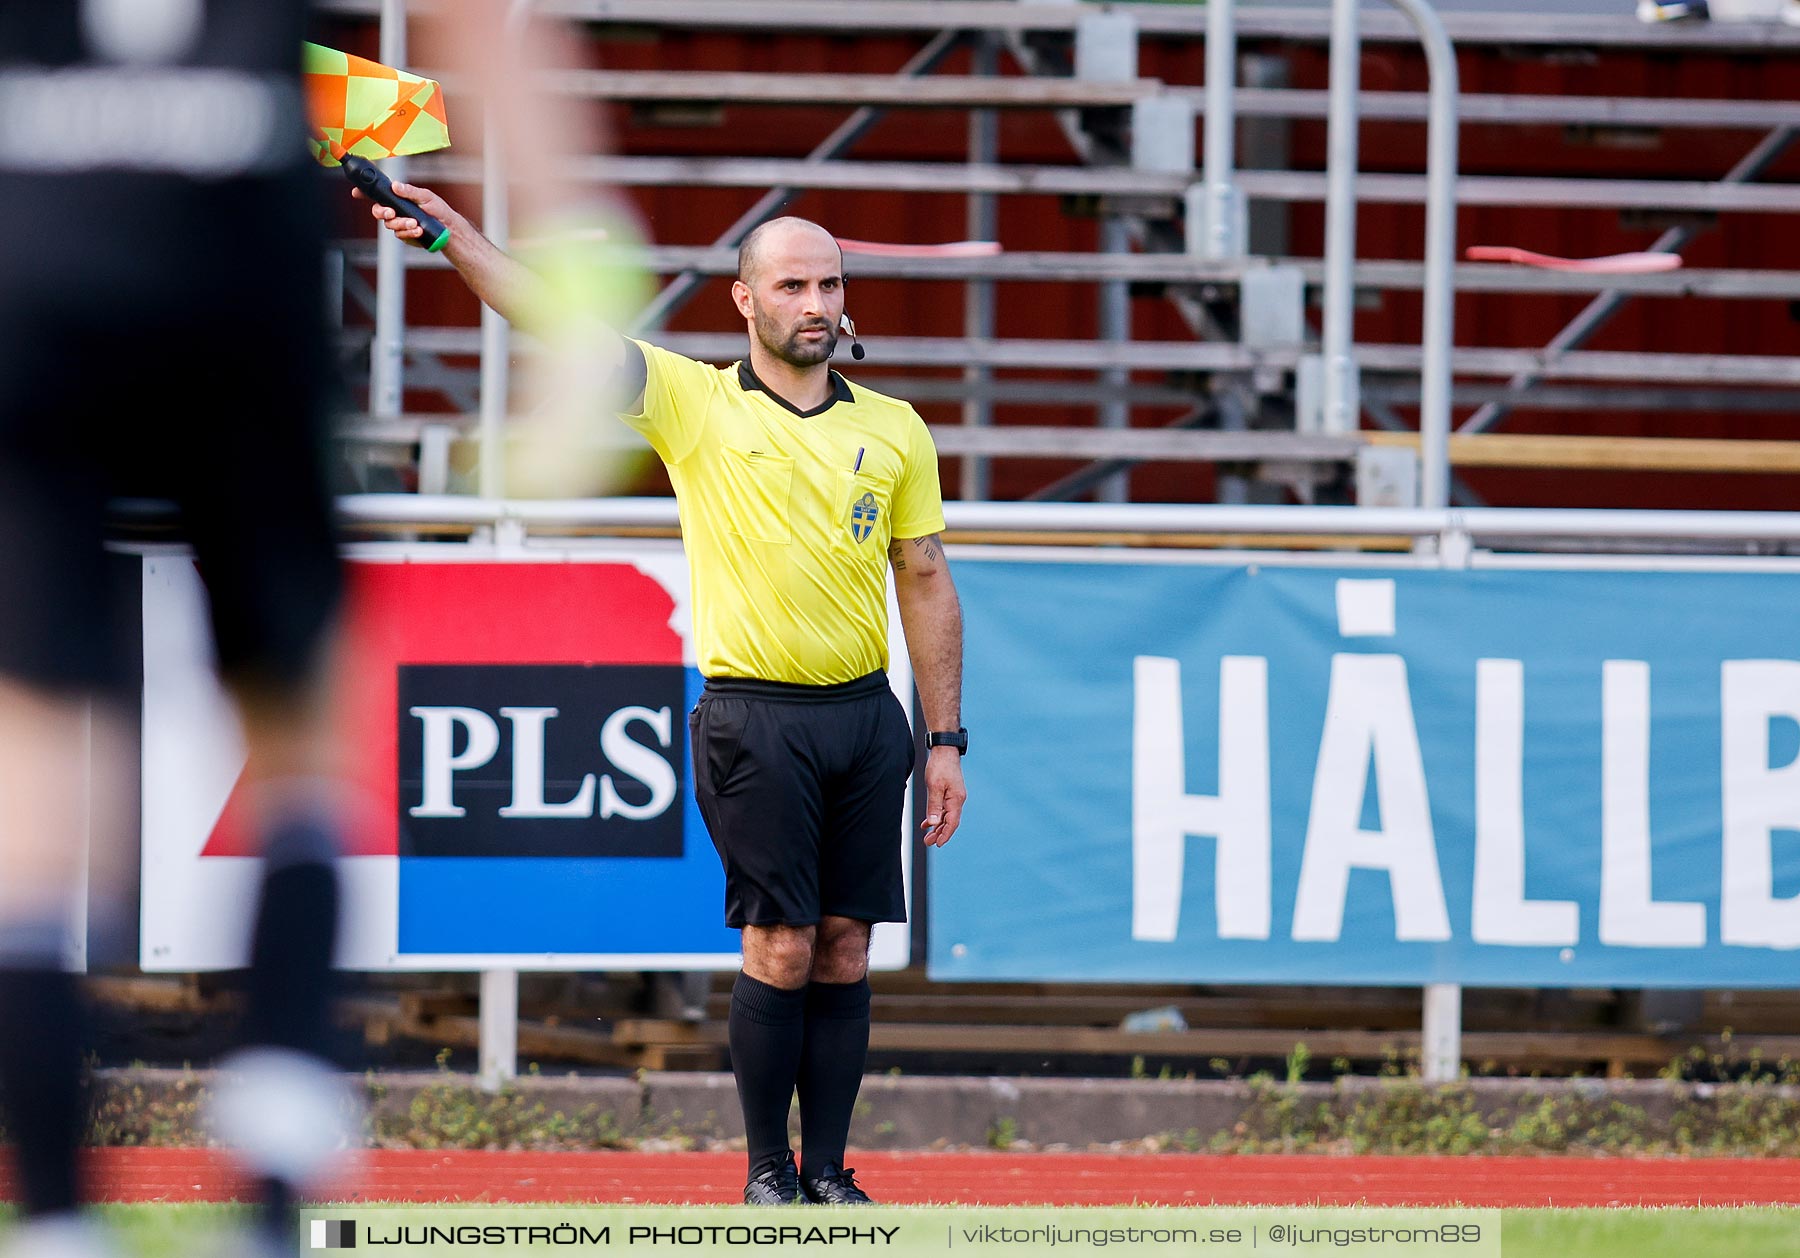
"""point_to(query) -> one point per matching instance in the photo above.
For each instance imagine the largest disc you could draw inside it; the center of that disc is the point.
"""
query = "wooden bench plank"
(1147, 444)
(1639, 454)
(1110, 1011)
(654, 1041)
(148, 994)
(1517, 1047)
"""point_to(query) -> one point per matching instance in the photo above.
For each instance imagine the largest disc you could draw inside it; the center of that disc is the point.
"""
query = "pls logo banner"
(516, 732)
(492, 760)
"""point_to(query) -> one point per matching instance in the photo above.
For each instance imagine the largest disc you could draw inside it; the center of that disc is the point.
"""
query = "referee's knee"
(842, 952)
(781, 956)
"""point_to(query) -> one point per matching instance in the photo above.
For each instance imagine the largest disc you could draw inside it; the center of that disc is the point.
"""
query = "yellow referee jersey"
(787, 515)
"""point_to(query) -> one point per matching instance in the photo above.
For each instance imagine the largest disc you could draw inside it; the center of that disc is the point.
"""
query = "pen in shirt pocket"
(859, 454)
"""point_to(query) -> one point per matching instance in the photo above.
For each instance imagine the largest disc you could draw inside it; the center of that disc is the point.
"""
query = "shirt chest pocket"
(759, 488)
(861, 525)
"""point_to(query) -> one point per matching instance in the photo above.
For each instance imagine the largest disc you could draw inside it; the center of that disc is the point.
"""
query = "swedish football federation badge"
(863, 514)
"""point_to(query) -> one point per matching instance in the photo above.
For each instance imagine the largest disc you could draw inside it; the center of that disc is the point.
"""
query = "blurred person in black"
(144, 352)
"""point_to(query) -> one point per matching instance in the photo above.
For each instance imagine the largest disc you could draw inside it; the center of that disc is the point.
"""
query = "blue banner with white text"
(1264, 773)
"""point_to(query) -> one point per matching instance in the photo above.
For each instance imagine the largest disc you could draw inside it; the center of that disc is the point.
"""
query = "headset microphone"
(849, 329)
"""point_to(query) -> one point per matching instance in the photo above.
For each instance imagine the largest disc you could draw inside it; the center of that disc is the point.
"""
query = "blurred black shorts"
(173, 360)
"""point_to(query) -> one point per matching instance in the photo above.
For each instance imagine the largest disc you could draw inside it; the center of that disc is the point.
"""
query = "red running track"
(997, 1179)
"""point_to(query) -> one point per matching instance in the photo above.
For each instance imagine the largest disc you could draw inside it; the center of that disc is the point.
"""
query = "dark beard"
(795, 352)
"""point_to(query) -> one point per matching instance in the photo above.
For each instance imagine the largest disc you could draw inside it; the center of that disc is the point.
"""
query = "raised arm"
(931, 614)
(503, 282)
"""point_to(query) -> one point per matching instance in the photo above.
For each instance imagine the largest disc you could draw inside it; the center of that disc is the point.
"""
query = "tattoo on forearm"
(897, 557)
(929, 547)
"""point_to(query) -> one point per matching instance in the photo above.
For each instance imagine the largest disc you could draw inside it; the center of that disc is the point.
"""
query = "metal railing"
(1451, 530)
(1342, 392)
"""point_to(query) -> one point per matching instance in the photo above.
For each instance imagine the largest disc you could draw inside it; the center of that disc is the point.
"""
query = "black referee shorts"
(168, 362)
(802, 789)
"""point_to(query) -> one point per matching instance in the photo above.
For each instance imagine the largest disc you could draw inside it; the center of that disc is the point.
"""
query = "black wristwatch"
(958, 740)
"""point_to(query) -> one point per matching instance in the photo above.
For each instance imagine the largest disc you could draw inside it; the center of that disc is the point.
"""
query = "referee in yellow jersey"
(798, 492)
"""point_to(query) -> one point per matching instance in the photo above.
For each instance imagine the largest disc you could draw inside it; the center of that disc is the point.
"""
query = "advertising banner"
(1380, 774)
(515, 726)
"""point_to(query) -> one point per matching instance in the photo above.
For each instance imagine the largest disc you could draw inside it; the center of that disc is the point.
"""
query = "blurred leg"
(43, 781)
(259, 516)
(286, 1110)
(298, 822)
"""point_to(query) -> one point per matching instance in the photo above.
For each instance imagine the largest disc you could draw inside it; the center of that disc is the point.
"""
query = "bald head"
(790, 290)
(782, 238)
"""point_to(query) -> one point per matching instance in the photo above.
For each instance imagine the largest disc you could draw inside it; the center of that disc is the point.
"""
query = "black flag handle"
(364, 174)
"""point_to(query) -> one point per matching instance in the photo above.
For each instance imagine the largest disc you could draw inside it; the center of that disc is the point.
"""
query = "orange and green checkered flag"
(363, 107)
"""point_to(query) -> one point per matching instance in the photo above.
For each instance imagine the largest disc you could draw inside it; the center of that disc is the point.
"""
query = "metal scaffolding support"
(1115, 331)
(982, 222)
(387, 356)
(1338, 368)
(1222, 228)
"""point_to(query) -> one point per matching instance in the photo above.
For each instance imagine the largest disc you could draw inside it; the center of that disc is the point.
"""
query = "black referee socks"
(831, 1069)
(765, 1030)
